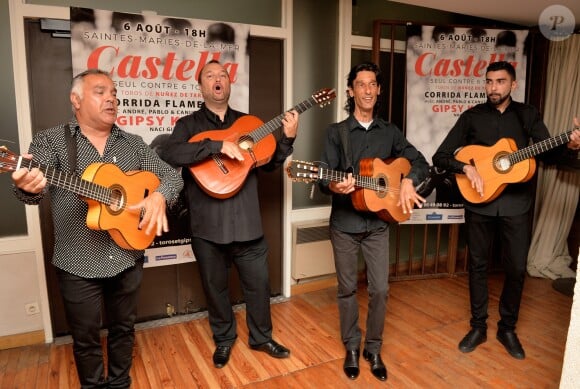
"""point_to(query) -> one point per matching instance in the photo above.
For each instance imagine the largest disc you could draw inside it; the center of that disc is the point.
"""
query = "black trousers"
(83, 299)
(514, 235)
(251, 260)
(374, 246)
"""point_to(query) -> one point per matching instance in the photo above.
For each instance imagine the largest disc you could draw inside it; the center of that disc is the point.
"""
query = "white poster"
(445, 77)
(155, 63)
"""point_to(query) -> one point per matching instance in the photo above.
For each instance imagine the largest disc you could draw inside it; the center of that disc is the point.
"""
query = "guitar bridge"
(142, 210)
(218, 160)
(251, 152)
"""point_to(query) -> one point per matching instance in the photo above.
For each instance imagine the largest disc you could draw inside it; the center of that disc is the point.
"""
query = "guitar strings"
(312, 172)
(365, 182)
(75, 187)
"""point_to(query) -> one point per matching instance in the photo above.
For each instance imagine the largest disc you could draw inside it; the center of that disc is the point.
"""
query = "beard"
(497, 99)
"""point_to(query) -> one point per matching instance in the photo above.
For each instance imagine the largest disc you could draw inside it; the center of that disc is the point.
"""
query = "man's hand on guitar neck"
(290, 123)
(574, 143)
(30, 181)
(474, 177)
(346, 186)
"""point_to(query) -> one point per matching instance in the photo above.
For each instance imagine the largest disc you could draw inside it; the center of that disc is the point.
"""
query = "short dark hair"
(502, 65)
(365, 66)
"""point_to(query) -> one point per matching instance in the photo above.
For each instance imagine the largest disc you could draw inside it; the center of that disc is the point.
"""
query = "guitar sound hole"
(246, 142)
(502, 164)
(117, 201)
(382, 186)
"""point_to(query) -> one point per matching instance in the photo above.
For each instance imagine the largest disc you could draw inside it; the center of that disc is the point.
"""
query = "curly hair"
(365, 66)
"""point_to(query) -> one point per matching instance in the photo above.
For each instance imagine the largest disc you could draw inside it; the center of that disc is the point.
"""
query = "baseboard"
(311, 286)
(19, 340)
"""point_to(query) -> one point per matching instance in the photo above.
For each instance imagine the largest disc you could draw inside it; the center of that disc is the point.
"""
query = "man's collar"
(75, 127)
(212, 115)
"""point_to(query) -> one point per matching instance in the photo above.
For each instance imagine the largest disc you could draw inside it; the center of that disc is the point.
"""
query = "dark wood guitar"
(377, 186)
(221, 176)
(107, 190)
(501, 164)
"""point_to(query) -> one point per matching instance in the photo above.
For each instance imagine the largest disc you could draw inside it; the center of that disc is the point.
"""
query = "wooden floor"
(425, 321)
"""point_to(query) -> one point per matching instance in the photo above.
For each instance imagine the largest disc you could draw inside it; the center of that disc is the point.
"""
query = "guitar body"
(127, 189)
(221, 176)
(490, 162)
(390, 173)
(108, 191)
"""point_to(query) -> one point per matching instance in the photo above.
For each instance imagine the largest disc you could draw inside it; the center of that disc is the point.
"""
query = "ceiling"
(522, 12)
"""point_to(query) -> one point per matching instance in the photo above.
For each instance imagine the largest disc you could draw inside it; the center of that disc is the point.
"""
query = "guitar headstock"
(301, 171)
(324, 96)
(8, 160)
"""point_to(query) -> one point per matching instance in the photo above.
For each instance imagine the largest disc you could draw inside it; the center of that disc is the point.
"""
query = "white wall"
(570, 373)
(20, 287)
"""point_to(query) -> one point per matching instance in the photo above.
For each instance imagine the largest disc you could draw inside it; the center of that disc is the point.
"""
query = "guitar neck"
(71, 182)
(272, 125)
(360, 181)
(540, 147)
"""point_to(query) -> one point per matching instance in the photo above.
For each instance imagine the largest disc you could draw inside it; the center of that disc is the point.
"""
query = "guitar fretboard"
(71, 182)
(272, 125)
(540, 147)
(365, 182)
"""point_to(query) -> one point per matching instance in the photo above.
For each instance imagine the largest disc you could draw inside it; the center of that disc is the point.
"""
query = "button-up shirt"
(79, 250)
(484, 125)
(223, 221)
(381, 140)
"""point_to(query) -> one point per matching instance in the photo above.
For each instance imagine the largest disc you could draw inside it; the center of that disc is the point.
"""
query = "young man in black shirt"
(351, 230)
(508, 215)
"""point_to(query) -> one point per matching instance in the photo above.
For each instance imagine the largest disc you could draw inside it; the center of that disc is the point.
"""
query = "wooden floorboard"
(425, 321)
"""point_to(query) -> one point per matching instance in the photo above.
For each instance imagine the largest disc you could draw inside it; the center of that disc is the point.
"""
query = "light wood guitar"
(377, 186)
(107, 190)
(222, 177)
(501, 164)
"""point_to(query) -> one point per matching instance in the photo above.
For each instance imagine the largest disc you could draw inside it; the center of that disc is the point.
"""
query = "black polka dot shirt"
(79, 250)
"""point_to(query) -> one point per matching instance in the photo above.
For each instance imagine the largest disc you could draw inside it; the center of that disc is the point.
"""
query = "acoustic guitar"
(501, 164)
(108, 192)
(222, 177)
(377, 186)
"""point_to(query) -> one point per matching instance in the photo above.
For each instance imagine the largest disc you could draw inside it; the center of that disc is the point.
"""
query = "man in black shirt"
(228, 230)
(509, 214)
(351, 231)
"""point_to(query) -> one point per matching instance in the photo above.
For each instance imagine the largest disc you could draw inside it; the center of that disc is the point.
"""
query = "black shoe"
(378, 368)
(474, 338)
(564, 286)
(272, 348)
(221, 356)
(512, 344)
(350, 365)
